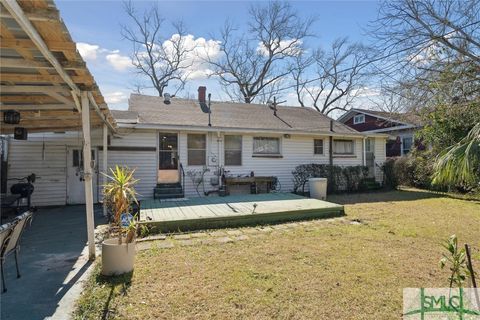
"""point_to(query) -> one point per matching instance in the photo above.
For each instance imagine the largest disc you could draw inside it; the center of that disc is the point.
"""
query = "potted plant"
(118, 251)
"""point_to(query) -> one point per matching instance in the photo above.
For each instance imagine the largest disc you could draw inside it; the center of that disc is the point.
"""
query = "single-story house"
(400, 127)
(164, 137)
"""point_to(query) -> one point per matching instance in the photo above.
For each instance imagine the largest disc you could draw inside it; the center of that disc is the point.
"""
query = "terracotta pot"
(117, 258)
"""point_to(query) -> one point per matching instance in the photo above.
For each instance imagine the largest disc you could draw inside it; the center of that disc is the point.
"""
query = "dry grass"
(328, 270)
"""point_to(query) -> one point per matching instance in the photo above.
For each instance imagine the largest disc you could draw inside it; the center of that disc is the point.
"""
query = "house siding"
(25, 157)
(371, 123)
(295, 151)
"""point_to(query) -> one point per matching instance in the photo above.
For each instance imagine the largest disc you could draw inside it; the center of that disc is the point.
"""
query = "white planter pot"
(117, 258)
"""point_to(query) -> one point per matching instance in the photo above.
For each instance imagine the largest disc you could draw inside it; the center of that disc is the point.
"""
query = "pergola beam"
(38, 14)
(33, 89)
(18, 14)
(37, 107)
(31, 64)
(99, 112)
(28, 44)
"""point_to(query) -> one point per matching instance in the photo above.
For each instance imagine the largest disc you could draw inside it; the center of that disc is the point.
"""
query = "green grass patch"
(331, 270)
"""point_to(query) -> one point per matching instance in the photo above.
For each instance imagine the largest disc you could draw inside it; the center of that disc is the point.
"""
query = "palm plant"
(120, 193)
(459, 163)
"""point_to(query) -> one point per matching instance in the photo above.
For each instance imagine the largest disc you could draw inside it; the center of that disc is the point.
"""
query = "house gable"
(370, 123)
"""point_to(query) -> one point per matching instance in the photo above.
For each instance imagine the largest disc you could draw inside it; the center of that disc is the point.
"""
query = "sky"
(96, 27)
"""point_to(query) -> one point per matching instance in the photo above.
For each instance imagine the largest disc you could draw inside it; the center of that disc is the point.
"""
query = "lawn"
(353, 267)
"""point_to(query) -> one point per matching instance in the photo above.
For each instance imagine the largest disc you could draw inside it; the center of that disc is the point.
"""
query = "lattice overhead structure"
(42, 74)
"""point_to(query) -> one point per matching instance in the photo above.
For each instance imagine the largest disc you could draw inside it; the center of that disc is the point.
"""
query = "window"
(266, 146)
(318, 146)
(78, 157)
(197, 149)
(407, 144)
(343, 147)
(359, 118)
(233, 150)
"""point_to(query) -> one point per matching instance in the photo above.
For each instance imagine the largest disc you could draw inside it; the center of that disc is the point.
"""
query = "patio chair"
(12, 242)
(5, 233)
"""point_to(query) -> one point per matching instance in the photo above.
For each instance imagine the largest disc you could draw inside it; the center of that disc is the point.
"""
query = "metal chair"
(11, 244)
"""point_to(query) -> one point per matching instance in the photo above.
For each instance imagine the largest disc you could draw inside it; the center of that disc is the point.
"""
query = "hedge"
(339, 178)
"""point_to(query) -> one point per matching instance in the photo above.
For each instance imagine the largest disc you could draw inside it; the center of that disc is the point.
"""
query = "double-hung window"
(233, 150)
(318, 146)
(197, 149)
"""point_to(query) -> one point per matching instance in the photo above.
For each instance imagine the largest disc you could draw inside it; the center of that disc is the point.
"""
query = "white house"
(161, 136)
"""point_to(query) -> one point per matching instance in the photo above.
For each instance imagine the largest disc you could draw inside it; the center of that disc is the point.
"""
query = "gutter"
(243, 130)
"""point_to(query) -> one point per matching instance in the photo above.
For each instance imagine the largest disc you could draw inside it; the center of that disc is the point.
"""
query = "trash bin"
(318, 188)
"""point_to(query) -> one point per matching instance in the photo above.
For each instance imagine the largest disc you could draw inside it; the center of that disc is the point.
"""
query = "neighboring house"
(400, 127)
(159, 136)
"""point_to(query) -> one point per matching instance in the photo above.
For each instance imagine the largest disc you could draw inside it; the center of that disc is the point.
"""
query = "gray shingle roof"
(183, 112)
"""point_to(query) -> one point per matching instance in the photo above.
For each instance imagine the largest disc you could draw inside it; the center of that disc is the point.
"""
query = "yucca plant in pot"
(118, 251)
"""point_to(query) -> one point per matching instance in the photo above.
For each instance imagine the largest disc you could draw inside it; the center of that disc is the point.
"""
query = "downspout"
(364, 151)
(330, 148)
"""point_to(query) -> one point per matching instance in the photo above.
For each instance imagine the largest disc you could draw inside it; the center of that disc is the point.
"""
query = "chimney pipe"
(202, 91)
(331, 125)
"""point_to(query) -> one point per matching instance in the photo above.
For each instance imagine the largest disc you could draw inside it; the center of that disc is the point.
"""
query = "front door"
(75, 181)
(168, 158)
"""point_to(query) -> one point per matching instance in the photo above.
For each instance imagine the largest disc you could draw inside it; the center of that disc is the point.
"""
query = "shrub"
(339, 178)
(389, 178)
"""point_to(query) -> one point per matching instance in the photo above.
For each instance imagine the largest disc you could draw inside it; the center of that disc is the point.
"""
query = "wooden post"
(105, 163)
(87, 169)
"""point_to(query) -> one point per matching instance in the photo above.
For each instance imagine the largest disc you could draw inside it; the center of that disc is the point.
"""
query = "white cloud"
(88, 51)
(115, 97)
(119, 62)
(197, 51)
(294, 47)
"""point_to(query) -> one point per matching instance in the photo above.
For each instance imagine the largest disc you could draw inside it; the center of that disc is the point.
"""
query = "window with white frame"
(317, 146)
(197, 149)
(233, 150)
(266, 146)
(407, 144)
(343, 147)
(359, 118)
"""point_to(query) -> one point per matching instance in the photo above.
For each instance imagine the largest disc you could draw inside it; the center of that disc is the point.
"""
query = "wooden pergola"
(45, 80)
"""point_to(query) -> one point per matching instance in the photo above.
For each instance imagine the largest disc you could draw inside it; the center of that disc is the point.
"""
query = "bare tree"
(163, 60)
(252, 64)
(431, 49)
(329, 81)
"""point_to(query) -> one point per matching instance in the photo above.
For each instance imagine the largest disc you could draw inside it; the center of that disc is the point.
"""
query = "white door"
(75, 181)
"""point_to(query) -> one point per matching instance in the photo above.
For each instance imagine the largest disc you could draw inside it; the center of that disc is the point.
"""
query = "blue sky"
(95, 26)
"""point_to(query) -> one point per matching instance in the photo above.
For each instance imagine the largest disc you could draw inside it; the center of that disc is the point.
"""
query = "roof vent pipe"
(331, 125)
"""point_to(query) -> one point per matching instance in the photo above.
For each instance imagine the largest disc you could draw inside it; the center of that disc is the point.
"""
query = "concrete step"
(169, 196)
(168, 190)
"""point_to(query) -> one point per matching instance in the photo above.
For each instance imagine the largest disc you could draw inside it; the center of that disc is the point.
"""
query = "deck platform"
(232, 211)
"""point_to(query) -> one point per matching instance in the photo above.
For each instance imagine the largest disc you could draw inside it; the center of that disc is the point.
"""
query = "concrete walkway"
(51, 262)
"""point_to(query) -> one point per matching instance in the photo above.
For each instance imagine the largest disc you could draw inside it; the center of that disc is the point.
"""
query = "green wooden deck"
(232, 211)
